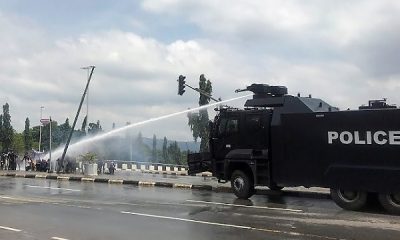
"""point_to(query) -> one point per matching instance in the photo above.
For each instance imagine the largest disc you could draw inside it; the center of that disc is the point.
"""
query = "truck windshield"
(228, 126)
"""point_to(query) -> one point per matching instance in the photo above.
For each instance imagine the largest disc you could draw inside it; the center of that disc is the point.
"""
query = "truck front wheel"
(349, 200)
(242, 185)
(391, 202)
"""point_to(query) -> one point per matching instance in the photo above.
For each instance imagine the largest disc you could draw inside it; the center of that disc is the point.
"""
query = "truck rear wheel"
(348, 199)
(242, 185)
(391, 202)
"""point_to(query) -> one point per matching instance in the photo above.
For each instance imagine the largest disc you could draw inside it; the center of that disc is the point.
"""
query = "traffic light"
(181, 85)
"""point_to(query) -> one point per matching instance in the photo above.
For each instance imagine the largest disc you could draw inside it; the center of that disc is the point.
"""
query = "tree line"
(115, 148)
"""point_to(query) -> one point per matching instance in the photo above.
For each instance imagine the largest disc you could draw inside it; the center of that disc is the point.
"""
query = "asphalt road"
(48, 209)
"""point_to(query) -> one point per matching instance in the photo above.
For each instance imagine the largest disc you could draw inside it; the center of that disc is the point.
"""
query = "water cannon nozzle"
(240, 90)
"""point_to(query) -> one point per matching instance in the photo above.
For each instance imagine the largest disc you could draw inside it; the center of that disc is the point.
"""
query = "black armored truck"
(279, 140)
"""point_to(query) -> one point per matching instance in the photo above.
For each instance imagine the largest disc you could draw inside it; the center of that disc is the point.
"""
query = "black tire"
(391, 202)
(349, 200)
(242, 185)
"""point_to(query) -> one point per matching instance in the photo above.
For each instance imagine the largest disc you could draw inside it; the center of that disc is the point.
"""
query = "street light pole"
(50, 165)
(40, 127)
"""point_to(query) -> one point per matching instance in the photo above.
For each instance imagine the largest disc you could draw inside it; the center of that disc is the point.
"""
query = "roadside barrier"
(154, 168)
(145, 167)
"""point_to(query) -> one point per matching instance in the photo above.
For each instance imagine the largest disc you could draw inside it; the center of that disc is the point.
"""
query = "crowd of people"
(11, 161)
(40, 165)
(8, 161)
(68, 165)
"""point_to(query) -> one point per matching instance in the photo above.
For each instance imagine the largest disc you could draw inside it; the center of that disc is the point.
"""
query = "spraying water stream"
(73, 147)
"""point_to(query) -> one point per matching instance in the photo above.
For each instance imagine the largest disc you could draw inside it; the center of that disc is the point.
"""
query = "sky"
(345, 52)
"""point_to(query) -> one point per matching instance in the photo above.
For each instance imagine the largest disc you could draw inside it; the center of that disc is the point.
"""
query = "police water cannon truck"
(279, 140)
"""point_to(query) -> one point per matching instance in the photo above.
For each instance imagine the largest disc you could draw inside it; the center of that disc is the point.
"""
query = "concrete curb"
(85, 179)
(101, 180)
(147, 184)
(182, 185)
(293, 193)
(164, 184)
(202, 187)
(51, 177)
(62, 178)
(116, 181)
(78, 179)
(131, 182)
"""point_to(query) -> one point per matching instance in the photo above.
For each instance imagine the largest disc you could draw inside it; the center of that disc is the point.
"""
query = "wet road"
(46, 209)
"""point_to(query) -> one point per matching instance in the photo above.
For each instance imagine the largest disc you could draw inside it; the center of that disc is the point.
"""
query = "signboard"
(45, 121)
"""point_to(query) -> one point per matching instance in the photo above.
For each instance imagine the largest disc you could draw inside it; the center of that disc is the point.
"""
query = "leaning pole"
(77, 114)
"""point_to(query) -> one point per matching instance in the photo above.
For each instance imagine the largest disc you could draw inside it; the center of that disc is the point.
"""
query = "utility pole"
(50, 165)
(77, 114)
(129, 135)
(87, 98)
(40, 127)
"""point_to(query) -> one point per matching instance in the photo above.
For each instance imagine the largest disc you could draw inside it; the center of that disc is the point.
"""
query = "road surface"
(48, 209)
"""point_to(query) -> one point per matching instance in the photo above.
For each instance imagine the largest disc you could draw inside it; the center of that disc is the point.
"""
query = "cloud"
(362, 32)
(344, 52)
(133, 75)
(342, 44)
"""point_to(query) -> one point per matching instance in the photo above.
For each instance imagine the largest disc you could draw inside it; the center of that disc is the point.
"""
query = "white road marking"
(187, 220)
(58, 238)
(234, 226)
(22, 200)
(53, 188)
(10, 229)
(245, 206)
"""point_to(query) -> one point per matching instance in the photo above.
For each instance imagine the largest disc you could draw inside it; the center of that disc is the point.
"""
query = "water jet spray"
(119, 130)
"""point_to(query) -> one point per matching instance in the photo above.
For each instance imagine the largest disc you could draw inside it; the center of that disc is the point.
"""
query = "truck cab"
(239, 148)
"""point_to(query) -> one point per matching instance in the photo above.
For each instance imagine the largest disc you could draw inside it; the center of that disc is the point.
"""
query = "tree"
(84, 124)
(174, 153)
(64, 129)
(154, 150)
(94, 128)
(141, 151)
(35, 136)
(27, 136)
(55, 142)
(89, 157)
(139, 139)
(7, 129)
(198, 122)
(165, 150)
(18, 143)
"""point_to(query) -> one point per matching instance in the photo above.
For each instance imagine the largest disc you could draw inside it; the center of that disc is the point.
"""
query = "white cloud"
(349, 43)
(134, 76)
(344, 52)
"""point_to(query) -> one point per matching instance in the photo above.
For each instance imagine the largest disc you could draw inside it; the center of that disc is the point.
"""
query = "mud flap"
(199, 162)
